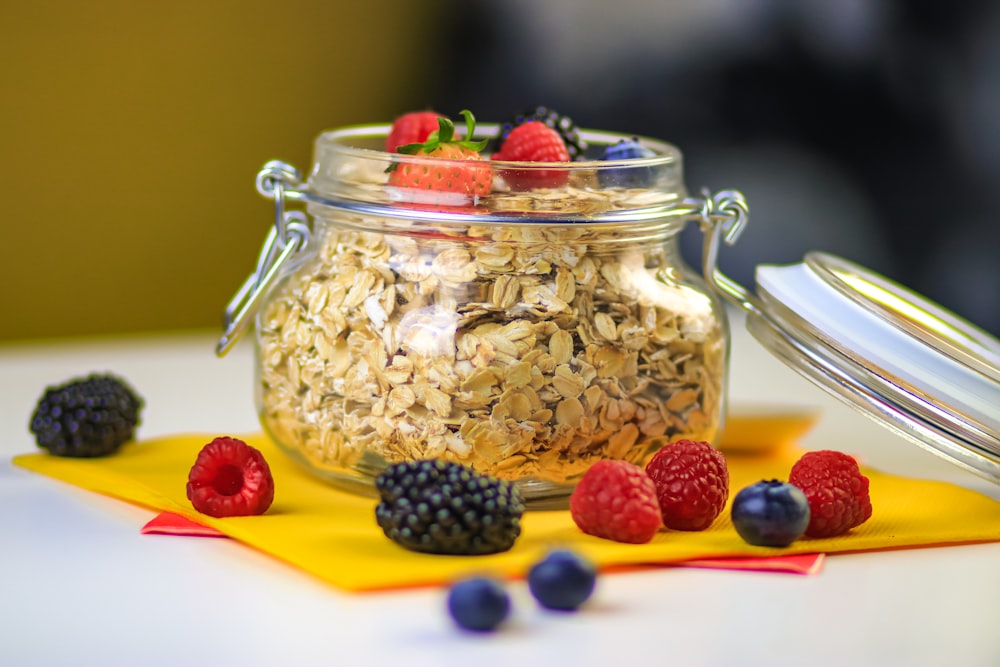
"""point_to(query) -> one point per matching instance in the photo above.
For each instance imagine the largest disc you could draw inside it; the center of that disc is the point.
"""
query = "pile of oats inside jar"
(527, 351)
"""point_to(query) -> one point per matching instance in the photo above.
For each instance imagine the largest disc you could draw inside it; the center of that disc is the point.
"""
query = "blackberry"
(86, 417)
(575, 145)
(442, 507)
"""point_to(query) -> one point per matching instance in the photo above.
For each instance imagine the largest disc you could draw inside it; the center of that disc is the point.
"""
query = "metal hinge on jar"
(722, 217)
(289, 235)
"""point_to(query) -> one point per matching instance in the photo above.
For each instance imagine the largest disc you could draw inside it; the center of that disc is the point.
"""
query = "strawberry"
(534, 141)
(411, 128)
(456, 176)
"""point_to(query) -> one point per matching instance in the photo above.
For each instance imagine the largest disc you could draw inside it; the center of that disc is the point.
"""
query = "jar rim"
(665, 151)
(350, 168)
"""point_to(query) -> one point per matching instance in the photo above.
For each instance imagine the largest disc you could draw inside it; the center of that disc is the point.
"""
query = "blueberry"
(479, 603)
(626, 177)
(562, 580)
(770, 513)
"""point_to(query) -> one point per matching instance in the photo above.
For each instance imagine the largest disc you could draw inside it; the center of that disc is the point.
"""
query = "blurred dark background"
(866, 128)
(131, 133)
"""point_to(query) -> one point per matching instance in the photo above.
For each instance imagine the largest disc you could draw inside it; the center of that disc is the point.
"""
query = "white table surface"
(79, 585)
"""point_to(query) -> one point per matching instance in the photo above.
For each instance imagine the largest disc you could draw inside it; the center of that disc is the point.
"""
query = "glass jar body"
(527, 329)
(526, 351)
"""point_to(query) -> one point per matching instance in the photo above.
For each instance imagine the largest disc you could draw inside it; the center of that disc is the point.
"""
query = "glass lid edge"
(981, 458)
(857, 363)
(910, 312)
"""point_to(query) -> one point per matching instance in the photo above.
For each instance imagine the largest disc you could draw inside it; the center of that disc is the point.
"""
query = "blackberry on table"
(443, 507)
(564, 125)
(86, 417)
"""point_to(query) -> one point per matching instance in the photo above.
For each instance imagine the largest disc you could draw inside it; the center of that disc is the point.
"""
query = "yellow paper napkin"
(333, 534)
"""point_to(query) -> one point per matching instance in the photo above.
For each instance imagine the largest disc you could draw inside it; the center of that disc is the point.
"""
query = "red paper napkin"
(168, 523)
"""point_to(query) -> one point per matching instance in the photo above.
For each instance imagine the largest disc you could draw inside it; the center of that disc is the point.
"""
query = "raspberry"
(562, 580)
(534, 142)
(564, 125)
(615, 500)
(230, 478)
(443, 507)
(86, 417)
(411, 128)
(692, 483)
(836, 490)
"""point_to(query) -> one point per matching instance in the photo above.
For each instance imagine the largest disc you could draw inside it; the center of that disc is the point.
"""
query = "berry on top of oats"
(533, 142)
(624, 176)
(411, 128)
(576, 146)
(462, 171)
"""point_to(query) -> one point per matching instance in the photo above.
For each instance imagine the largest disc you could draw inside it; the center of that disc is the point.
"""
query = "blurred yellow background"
(131, 134)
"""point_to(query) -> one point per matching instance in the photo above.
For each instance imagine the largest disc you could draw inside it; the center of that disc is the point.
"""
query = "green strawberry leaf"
(445, 134)
(470, 124)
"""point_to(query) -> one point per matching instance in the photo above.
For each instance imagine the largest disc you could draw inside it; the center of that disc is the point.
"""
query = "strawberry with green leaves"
(456, 174)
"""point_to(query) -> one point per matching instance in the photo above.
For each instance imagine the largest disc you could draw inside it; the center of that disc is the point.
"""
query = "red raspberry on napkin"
(230, 478)
(616, 500)
(836, 490)
(692, 483)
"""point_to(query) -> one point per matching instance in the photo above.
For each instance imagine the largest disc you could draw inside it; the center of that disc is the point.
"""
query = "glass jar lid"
(899, 358)
(906, 362)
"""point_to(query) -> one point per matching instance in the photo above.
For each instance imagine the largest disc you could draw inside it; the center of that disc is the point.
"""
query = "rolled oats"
(527, 351)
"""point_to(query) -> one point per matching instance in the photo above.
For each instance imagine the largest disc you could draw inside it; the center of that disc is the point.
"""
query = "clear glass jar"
(527, 333)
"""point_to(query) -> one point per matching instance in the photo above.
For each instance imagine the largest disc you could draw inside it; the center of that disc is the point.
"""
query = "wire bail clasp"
(289, 234)
(722, 217)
